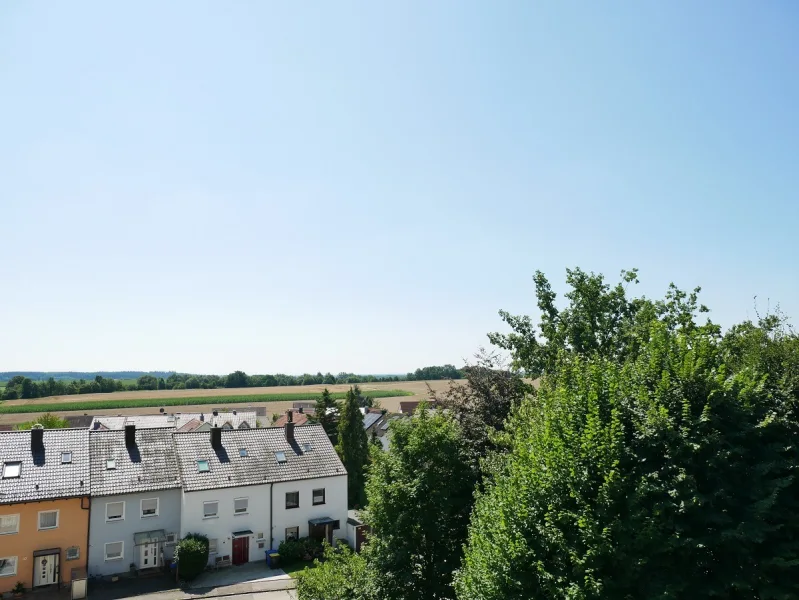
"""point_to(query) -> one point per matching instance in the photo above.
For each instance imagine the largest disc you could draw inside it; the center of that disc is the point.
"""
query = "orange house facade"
(44, 507)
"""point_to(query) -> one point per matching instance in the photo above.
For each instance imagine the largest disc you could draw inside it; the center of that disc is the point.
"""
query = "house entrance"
(241, 549)
(45, 567)
(149, 555)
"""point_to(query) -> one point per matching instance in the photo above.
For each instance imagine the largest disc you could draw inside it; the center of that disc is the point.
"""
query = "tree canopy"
(353, 448)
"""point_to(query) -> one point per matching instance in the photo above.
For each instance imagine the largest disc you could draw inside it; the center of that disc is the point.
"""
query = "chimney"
(130, 435)
(161, 410)
(290, 431)
(202, 416)
(216, 438)
(216, 413)
(301, 409)
(234, 411)
(37, 438)
(289, 416)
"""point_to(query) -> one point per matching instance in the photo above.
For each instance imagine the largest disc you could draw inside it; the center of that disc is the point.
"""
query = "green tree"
(326, 414)
(237, 379)
(667, 475)
(599, 319)
(342, 574)
(420, 496)
(353, 448)
(191, 554)
(147, 382)
(47, 420)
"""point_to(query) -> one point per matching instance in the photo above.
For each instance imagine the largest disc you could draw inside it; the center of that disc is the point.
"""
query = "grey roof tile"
(42, 475)
(148, 466)
(228, 469)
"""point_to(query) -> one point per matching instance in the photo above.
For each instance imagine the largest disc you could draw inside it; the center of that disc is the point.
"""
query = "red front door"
(241, 550)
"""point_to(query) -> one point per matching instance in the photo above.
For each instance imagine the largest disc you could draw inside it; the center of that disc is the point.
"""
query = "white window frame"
(39, 519)
(114, 520)
(171, 539)
(216, 513)
(10, 532)
(16, 565)
(75, 553)
(215, 549)
(121, 551)
(246, 506)
(157, 508)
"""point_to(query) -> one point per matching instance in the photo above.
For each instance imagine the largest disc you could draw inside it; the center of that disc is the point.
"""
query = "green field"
(42, 407)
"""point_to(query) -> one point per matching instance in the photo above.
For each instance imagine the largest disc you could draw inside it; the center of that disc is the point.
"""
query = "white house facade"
(136, 500)
(236, 482)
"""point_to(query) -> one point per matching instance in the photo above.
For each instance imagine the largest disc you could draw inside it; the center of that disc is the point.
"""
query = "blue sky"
(205, 186)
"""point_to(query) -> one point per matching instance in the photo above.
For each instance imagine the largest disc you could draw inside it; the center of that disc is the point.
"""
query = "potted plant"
(18, 589)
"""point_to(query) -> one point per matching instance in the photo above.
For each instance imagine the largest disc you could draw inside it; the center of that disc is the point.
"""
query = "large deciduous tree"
(419, 501)
(326, 414)
(353, 448)
(670, 474)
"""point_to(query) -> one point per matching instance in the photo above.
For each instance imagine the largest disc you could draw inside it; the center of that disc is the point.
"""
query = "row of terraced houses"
(117, 496)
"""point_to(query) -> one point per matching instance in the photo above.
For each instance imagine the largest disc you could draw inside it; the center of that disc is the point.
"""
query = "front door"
(241, 550)
(149, 556)
(45, 570)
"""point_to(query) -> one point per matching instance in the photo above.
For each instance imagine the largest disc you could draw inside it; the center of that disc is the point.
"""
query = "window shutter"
(240, 505)
(149, 506)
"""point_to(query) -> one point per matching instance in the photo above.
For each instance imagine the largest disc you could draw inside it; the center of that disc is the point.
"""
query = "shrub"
(342, 574)
(293, 550)
(191, 554)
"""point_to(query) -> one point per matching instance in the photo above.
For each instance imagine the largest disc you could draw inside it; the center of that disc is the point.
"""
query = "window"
(210, 509)
(12, 469)
(48, 519)
(66, 458)
(240, 506)
(306, 447)
(110, 464)
(292, 499)
(9, 524)
(202, 466)
(243, 452)
(319, 496)
(212, 546)
(114, 511)
(171, 538)
(149, 507)
(114, 550)
(292, 533)
(73, 553)
(336, 524)
(8, 566)
(280, 457)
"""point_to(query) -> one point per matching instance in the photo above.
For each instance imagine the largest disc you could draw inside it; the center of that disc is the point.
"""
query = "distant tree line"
(433, 373)
(22, 386)
(87, 375)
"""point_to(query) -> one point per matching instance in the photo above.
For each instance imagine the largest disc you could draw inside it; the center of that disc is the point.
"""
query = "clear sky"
(295, 186)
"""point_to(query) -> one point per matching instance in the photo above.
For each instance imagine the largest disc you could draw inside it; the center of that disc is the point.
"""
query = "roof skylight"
(66, 457)
(306, 447)
(202, 466)
(11, 469)
(243, 452)
(280, 457)
(110, 464)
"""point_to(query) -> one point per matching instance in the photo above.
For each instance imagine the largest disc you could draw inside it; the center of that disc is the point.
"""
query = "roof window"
(280, 457)
(306, 447)
(66, 457)
(11, 469)
(202, 466)
(110, 464)
(243, 452)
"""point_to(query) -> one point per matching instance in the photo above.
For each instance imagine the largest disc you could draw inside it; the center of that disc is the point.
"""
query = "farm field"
(229, 398)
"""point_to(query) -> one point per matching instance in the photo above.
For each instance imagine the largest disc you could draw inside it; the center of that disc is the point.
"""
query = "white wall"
(221, 527)
(335, 506)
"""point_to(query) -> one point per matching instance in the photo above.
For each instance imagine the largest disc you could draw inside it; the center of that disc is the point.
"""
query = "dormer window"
(11, 469)
(280, 457)
(202, 466)
(66, 458)
(110, 464)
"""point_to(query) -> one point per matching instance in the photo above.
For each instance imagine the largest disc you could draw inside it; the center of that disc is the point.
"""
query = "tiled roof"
(148, 466)
(297, 417)
(228, 469)
(175, 420)
(190, 425)
(409, 406)
(42, 475)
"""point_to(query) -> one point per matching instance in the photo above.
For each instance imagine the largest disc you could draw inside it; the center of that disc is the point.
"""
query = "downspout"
(271, 504)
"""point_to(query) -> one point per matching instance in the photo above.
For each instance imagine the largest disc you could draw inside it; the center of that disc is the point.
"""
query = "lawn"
(297, 567)
(35, 407)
